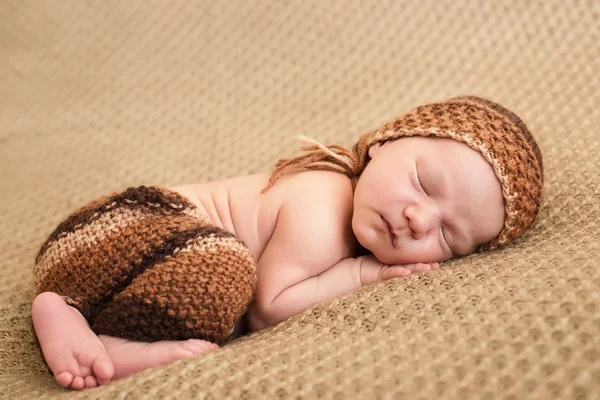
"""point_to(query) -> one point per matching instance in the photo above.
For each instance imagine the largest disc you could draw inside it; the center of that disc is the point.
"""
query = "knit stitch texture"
(146, 265)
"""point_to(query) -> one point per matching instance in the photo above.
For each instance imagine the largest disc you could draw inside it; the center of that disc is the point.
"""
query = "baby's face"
(426, 199)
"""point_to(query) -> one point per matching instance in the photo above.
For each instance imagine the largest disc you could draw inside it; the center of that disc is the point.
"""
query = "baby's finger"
(421, 267)
(394, 271)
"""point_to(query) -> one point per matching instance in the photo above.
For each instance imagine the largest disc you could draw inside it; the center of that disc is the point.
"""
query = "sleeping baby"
(151, 275)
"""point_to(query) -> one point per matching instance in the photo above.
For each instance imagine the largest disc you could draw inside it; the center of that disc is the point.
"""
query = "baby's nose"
(422, 219)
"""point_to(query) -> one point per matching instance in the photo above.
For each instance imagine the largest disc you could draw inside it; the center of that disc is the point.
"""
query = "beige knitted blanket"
(96, 96)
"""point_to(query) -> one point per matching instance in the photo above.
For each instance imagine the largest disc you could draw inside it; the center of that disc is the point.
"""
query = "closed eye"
(419, 182)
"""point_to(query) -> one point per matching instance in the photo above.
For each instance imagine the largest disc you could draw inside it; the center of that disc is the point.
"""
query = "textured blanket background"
(99, 95)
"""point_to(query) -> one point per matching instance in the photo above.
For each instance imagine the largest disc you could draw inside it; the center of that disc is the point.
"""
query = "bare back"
(323, 200)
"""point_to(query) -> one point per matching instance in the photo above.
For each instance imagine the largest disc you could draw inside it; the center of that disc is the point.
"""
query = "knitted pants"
(146, 265)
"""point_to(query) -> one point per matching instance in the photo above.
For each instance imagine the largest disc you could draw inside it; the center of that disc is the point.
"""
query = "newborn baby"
(440, 182)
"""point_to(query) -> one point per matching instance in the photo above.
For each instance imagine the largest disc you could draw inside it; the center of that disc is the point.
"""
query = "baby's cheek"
(361, 228)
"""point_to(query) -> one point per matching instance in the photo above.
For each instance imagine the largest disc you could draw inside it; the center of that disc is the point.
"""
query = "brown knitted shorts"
(146, 265)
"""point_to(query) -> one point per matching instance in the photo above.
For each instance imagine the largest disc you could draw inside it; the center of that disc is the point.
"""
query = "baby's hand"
(373, 271)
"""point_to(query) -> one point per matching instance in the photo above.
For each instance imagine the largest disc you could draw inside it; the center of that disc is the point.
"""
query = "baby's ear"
(374, 149)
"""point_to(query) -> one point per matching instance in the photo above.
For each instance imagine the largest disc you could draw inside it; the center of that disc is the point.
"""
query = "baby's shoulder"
(319, 202)
(314, 211)
(320, 189)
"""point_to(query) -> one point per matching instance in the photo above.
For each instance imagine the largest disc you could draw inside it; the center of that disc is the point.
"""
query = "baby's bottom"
(144, 265)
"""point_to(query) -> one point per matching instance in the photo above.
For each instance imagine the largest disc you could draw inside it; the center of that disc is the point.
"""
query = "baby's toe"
(103, 381)
(78, 383)
(103, 368)
(198, 346)
(64, 379)
(90, 382)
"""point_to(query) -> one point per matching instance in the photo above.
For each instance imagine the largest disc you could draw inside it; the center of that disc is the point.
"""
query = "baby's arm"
(344, 277)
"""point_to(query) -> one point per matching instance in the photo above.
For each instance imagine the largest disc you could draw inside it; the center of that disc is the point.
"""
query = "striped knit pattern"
(146, 265)
(496, 132)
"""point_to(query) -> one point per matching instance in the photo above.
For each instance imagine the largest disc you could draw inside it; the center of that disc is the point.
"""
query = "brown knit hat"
(497, 133)
(146, 265)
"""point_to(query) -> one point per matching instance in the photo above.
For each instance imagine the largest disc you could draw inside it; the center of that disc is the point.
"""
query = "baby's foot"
(130, 357)
(72, 350)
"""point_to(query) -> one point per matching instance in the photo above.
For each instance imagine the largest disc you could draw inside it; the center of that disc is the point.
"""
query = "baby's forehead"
(441, 157)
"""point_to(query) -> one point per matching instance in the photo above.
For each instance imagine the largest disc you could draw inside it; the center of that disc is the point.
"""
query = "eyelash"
(420, 184)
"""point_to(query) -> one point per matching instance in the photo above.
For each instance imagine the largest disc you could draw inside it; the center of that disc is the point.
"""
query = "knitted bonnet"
(146, 265)
(487, 127)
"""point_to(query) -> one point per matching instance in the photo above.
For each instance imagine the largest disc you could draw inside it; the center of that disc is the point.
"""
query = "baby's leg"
(145, 264)
(80, 359)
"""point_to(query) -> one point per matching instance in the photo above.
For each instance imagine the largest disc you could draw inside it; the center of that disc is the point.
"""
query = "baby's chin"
(400, 259)
(391, 259)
